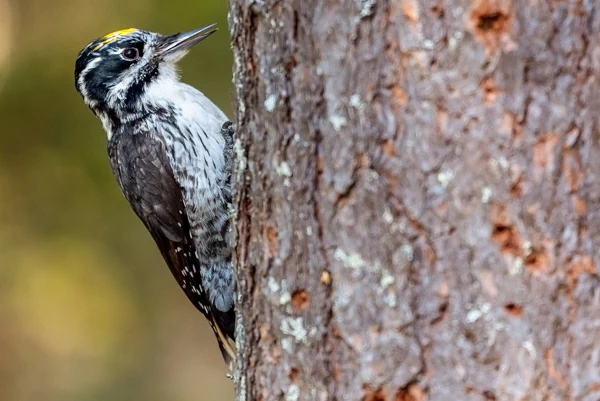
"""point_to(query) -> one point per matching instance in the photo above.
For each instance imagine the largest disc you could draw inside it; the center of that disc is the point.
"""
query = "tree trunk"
(416, 188)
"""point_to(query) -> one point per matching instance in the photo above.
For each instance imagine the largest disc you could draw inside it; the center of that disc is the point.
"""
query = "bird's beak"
(174, 47)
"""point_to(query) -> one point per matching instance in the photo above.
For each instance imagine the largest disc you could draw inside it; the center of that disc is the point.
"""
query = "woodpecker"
(170, 151)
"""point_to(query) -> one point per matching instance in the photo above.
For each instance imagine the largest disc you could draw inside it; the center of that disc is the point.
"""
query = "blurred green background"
(88, 309)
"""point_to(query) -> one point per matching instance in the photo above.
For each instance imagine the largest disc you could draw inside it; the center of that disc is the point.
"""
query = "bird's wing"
(142, 169)
(228, 132)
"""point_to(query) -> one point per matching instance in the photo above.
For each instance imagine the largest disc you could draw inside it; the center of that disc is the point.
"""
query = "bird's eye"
(130, 54)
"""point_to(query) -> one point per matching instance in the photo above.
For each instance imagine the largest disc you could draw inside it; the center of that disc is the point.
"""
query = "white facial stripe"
(81, 81)
(118, 91)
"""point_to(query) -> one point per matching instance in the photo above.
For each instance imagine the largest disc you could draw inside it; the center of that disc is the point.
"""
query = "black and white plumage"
(170, 151)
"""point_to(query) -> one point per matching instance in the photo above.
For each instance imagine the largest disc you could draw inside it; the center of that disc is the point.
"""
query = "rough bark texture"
(417, 188)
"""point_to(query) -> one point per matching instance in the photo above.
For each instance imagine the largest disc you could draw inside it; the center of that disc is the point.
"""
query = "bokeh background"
(88, 309)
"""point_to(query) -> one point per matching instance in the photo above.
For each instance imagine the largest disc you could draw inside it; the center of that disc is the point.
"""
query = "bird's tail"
(226, 343)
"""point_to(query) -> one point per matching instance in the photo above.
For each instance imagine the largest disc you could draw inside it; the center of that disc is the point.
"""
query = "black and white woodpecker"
(170, 151)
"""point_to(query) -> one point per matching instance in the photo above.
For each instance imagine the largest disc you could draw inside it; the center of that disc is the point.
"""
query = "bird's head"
(112, 73)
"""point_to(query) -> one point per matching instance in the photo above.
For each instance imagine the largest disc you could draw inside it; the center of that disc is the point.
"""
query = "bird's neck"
(115, 120)
(125, 107)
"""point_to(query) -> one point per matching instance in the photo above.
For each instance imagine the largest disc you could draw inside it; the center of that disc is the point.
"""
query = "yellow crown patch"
(113, 36)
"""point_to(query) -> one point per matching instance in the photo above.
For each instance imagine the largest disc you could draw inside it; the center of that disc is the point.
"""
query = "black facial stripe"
(145, 77)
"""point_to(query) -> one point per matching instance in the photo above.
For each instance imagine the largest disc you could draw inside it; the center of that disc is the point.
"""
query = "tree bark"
(416, 192)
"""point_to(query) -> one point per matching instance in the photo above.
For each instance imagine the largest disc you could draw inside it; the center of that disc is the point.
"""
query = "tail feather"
(226, 343)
